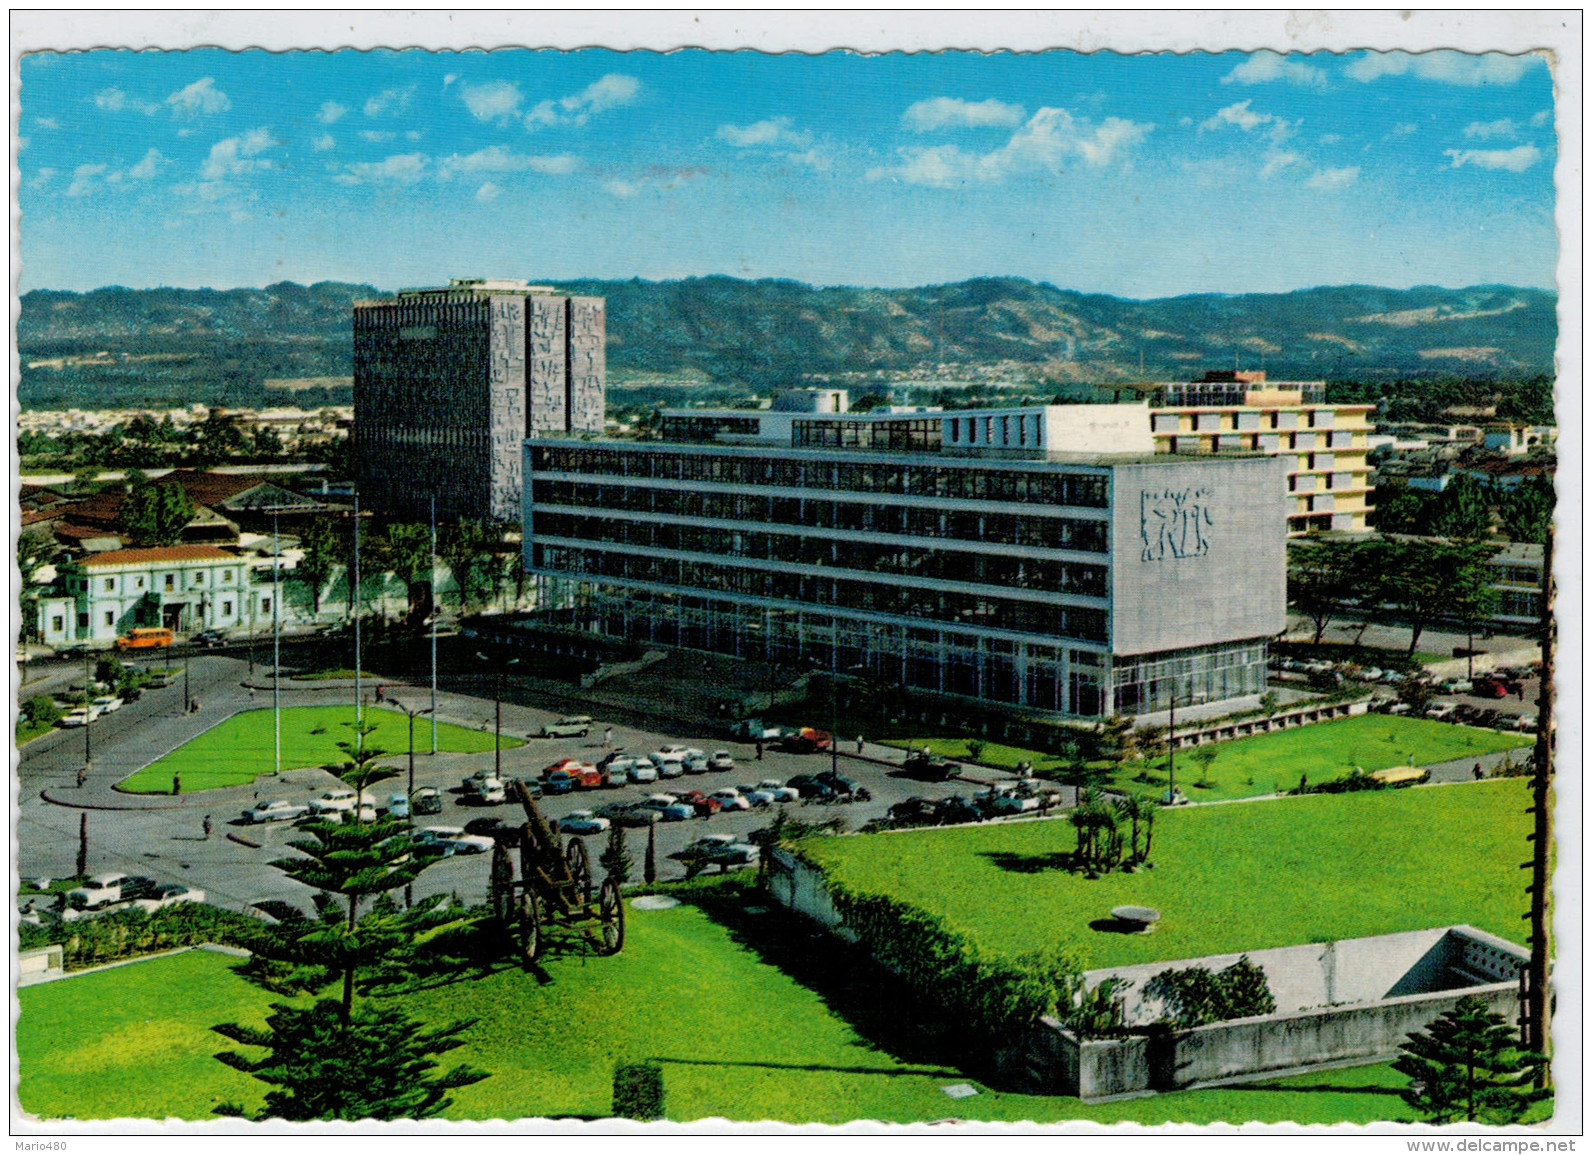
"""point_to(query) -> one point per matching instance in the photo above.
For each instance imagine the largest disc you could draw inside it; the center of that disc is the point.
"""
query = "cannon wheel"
(611, 912)
(579, 867)
(529, 924)
(502, 882)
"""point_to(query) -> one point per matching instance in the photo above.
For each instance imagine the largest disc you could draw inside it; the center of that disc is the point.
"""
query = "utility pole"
(276, 639)
(88, 710)
(354, 601)
(436, 608)
(1537, 1018)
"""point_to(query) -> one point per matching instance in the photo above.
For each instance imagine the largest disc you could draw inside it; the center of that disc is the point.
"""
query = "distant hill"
(117, 346)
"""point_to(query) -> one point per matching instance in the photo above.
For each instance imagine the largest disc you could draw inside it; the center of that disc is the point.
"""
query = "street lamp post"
(413, 714)
(88, 710)
(497, 701)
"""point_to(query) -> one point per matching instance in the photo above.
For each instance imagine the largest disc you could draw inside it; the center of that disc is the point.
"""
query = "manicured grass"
(1226, 878)
(243, 747)
(756, 1044)
(339, 672)
(1267, 763)
(27, 731)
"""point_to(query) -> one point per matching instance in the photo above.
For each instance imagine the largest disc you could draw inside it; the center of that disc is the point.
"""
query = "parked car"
(781, 792)
(679, 812)
(169, 895)
(1489, 688)
(559, 782)
(635, 814)
(682, 752)
(108, 704)
(957, 809)
(574, 726)
(493, 827)
(1454, 686)
(615, 776)
(839, 783)
(1368, 674)
(695, 764)
(755, 796)
(451, 840)
(397, 806)
(278, 810)
(366, 813)
(427, 800)
(915, 811)
(807, 740)
(106, 889)
(810, 787)
(582, 822)
(335, 799)
(657, 802)
(729, 798)
(721, 760)
(642, 771)
(700, 803)
(81, 716)
(722, 850)
(668, 765)
(207, 639)
(482, 789)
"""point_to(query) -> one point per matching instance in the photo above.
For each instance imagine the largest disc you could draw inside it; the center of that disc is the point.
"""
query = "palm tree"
(1131, 807)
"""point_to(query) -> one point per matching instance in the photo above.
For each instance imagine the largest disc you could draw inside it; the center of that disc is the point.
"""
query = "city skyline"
(1140, 176)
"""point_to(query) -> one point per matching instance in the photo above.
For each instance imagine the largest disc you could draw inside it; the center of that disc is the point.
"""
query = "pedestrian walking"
(82, 776)
(859, 745)
(760, 749)
(1475, 772)
(1520, 691)
(193, 706)
(608, 736)
(176, 783)
(251, 693)
(381, 693)
(207, 827)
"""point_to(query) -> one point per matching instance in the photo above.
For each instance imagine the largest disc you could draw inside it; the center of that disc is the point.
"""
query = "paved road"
(162, 836)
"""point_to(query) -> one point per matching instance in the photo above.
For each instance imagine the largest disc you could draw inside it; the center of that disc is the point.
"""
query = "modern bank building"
(1043, 556)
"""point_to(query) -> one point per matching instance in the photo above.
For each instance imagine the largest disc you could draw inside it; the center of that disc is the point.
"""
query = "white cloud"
(404, 169)
(948, 112)
(389, 100)
(46, 122)
(1242, 117)
(1049, 138)
(494, 100)
(776, 131)
(411, 134)
(620, 188)
(1277, 161)
(606, 92)
(331, 112)
(202, 96)
(323, 142)
(377, 137)
(1266, 67)
(1538, 119)
(238, 155)
(1444, 66)
(449, 79)
(813, 158)
(1334, 178)
(42, 177)
(1331, 138)
(83, 179)
(1486, 130)
(488, 192)
(496, 158)
(115, 100)
(146, 167)
(1508, 159)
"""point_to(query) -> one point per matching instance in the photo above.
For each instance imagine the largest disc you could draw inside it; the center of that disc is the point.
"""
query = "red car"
(1488, 688)
(585, 775)
(704, 806)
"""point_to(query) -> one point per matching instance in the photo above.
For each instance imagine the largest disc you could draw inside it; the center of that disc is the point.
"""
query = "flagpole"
(436, 607)
(276, 637)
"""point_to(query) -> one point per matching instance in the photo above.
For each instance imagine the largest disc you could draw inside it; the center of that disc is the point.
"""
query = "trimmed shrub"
(1196, 996)
(638, 1091)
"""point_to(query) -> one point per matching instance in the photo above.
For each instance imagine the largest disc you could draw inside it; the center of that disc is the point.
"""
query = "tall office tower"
(448, 382)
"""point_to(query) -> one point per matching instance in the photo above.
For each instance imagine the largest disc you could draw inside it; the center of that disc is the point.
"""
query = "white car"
(108, 704)
(658, 802)
(397, 806)
(452, 840)
(695, 764)
(668, 765)
(756, 795)
(575, 726)
(729, 798)
(1369, 674)
(721, 760)
(485, 789)
(105, 889)
(278, 810)
(336, 799)
(639, 770)
(78, 717)
(780, 791)
(681, 752)
(367, 813)
(582, 822)
(723, 848)
(169, 895)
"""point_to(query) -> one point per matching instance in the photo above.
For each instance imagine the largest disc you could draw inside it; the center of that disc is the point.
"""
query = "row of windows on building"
(936, 564)
(111, 617)
(133, 583)
(1036, 675)
(964, 483)
(1032, 530)
(1019, 429)
(908, 435)
(1011, 615)
(707, 428)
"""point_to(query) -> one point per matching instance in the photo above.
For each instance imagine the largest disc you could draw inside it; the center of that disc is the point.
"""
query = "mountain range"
(118, 346)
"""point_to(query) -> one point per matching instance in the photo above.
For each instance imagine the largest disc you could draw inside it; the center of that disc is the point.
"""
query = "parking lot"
(162, 836)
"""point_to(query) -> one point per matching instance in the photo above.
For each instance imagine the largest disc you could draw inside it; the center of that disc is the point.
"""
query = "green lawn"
(1226, 878)
(340, 672)
(243, 747)
(737, 1036)
(1267, 763)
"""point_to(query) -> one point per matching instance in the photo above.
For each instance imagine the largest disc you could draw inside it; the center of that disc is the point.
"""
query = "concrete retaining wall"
(35, 966)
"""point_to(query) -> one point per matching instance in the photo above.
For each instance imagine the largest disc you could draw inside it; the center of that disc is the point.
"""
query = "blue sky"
(1141, 176)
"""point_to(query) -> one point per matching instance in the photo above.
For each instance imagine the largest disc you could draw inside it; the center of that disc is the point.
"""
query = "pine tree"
(615, 858)
(377, 1065)
(1467, 1067)
(649, 869)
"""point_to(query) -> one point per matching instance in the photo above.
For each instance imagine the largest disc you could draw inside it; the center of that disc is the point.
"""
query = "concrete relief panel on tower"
(546, 386)
(588, 373)
(506, 382)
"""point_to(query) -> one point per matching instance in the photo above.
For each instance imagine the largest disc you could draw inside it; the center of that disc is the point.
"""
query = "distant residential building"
(1517, 440)
(182, 587)
(1325, 445)
(449, 381)
(1041, 556)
